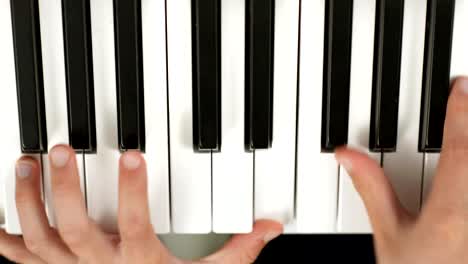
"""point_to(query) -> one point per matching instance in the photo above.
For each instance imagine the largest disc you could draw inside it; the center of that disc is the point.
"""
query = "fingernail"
(131, 161)
(59, 157)
(270, 236)
(345, 163)
(23, 169)
(462, 83)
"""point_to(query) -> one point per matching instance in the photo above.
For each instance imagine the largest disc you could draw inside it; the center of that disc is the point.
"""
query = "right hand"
(439, 233)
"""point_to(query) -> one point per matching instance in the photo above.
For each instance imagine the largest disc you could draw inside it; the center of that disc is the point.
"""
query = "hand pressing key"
(439, 233)
(78, 239)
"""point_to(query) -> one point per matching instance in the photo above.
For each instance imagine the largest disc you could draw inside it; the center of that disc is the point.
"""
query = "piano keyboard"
(237, 105)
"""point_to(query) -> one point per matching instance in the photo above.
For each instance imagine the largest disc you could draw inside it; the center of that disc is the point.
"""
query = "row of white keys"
(275, 167)
(317, 173)
(190, 171)
(352, 216)
(459, 67)
(10, 139)
(55, 91)
(404, 168)
(232, 167)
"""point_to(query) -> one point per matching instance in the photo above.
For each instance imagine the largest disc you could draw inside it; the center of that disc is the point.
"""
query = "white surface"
(154, 69)
(352, 216)
(274, 168)
(233, 166)
(431, 161)
(190, 171)
(10, 139)
(404, 167)
(317, 173)
(55, 91)
(102, 167)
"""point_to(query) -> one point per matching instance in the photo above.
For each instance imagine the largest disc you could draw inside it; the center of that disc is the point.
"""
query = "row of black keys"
(206, 36)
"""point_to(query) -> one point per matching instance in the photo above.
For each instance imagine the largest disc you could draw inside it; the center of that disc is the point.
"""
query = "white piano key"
(317, 173)
(431, 160)
(404, 167)
(155, 83)
(233, 166)
(10, 138)
(459, 67)
(2, 203)
(55, 91)
(190, 171)
(352, 215)
(102, 167)
(275, 167)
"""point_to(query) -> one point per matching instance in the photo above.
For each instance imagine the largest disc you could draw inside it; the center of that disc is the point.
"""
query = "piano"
(237, 105)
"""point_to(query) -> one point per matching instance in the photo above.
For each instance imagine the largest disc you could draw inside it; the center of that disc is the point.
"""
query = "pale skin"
(438, 234)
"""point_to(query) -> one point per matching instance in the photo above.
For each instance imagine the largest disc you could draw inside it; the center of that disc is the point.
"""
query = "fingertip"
(343, 158)
(60, 155)
(131, 160)
(25, 167)
(267, 224)
(268, 228)
(460, 84)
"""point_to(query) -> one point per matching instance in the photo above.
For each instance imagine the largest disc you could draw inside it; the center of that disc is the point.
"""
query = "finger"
(138, 240)
(383, 207)
(81, 235)
(450, 182)
(245, 248)
(14, 249)
(39, 238)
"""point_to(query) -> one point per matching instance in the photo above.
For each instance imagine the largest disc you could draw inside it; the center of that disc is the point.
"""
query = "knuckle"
(36, 245)
(62, 188)
(75, 236)
(22, 197)
(134, 227)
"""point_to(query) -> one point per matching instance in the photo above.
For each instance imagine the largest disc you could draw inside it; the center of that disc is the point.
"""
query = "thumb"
(383, 207)
(245, 248)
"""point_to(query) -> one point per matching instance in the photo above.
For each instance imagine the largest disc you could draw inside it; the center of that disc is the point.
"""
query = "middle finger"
(81, 234)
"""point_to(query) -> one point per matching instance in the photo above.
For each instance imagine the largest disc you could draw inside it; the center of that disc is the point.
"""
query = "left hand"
(78, 239)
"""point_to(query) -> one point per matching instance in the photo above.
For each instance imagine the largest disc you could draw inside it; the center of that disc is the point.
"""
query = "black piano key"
(79, 74)
(386, 75)
(336, 74)
(206, 37)
(129, 72)
(29, 79)
(436, 73)
(259, 73)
